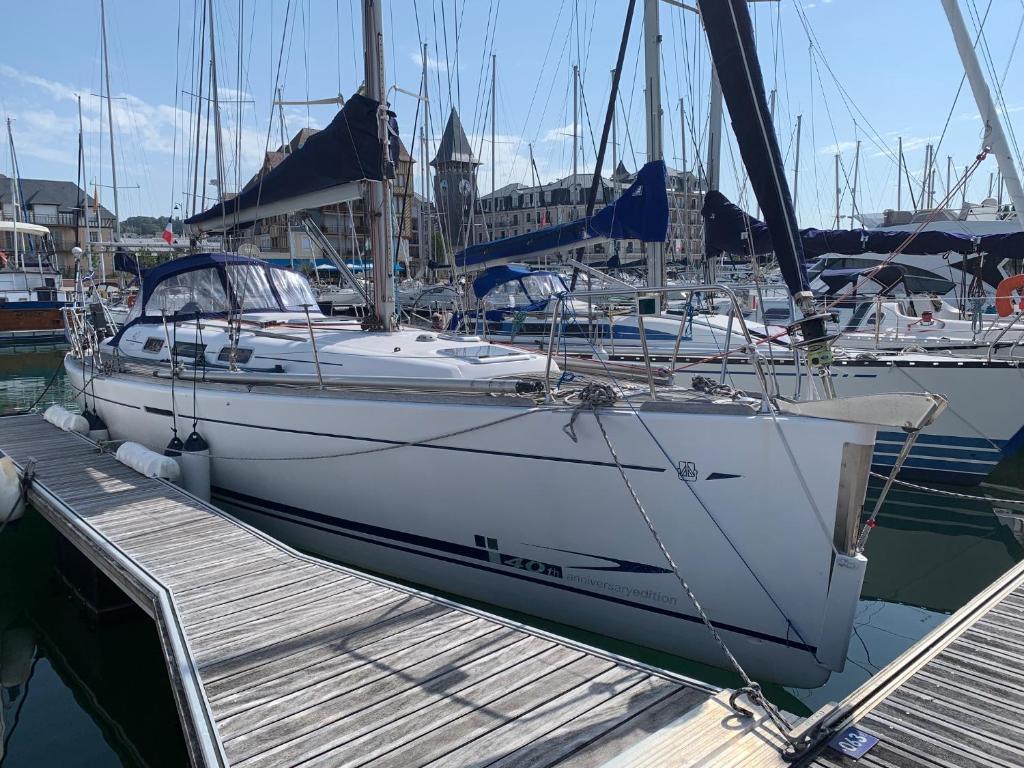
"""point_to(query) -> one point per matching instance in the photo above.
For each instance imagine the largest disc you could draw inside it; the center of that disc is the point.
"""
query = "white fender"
(147, 462)
(64, 419)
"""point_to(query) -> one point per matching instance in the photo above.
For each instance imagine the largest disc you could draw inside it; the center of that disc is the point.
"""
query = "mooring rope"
(592, 398)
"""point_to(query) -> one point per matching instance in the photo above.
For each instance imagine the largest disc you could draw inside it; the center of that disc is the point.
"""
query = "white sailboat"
(461, 464)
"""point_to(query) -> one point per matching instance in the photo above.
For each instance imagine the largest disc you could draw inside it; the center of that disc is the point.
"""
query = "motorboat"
(31, 287)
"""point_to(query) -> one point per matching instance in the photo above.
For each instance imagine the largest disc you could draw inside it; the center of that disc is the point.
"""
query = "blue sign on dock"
(853, 742)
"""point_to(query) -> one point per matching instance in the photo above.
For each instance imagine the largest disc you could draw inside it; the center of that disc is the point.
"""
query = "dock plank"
(955, 699)
(277, 658)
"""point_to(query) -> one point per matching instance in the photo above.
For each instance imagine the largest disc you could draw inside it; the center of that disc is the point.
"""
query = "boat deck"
(277, 658)
(956, 698)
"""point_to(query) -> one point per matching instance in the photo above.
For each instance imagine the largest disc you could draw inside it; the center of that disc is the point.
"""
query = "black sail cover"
(731, 40)
(348, 149)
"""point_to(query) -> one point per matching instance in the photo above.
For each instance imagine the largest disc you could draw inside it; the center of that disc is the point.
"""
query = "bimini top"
(217, 284)
(24, 228)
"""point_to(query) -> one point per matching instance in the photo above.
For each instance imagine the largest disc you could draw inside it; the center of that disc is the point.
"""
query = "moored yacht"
(441, 459)
(31, 290)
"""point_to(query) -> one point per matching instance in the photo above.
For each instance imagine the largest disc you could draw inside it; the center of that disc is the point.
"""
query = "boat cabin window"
(250, 287)
(293, 289)
(188, 349)
(541, 286)
(200, 290)
(874, 319)
(242, 355)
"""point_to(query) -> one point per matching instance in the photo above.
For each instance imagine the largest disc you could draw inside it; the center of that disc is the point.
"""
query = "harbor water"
(75, 691)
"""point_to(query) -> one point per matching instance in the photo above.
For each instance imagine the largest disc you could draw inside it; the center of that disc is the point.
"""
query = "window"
(293, 289)
(529, 216)
(250, 287)
(242, 355)
(198, 291)
(188, 349)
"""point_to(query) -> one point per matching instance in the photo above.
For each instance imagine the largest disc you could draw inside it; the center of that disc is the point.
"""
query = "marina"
(648, 456)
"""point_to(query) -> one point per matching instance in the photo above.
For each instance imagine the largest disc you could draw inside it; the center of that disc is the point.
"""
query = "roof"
(274, 158)
(454, 146)
(66, 195)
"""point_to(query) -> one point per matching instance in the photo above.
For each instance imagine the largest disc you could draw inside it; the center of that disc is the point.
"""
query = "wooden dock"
(277, 658)
(956, 698)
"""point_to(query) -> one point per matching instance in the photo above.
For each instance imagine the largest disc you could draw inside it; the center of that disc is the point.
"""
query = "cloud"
(416, 57)
(59, 91)
(148, 134)
(838, 147)
(999, 110)
(560, 133)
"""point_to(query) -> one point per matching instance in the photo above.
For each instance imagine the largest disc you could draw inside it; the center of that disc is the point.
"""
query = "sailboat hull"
(509, 510)
(982, 425)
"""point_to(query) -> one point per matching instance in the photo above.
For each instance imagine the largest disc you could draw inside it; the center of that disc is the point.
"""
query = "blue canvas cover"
(346, 150)
(640, 213)
(498, 276)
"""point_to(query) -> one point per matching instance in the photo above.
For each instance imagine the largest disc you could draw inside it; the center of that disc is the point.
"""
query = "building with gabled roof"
(57, 205)
(455, 190)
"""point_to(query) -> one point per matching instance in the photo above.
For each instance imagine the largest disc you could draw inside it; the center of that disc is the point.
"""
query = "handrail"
(993, 345)
(638, 292)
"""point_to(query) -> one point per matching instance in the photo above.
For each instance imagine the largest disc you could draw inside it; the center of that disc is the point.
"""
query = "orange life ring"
(130, 301)
(1004, 295)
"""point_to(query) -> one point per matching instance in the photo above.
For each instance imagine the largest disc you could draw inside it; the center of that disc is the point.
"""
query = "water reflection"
(25, 372)
(928, 556)
(71, 693)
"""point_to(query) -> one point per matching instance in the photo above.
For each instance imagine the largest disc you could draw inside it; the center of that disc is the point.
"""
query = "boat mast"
(575, 124)
(853, 189)
(85, 204)
(217, 135)
(796, 164)
(379, 192)
(494, 102)
(995, 139)
(686, 184)
(615, 147)
(110, 125)
(426, 159)
(14, 194)
(838, 190)
(714, 130)
(899, 177)
(655, 150)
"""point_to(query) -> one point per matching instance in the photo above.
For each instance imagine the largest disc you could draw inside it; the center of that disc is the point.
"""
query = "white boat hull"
(982, 425)
(518, 515)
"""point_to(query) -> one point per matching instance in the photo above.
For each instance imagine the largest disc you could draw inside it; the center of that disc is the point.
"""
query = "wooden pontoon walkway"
(276, 658)
(956, 698)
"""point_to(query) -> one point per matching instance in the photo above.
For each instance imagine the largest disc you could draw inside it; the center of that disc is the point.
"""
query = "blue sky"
(880, 69)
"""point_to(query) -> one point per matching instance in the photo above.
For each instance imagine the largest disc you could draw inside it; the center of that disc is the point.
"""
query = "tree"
(150, 226)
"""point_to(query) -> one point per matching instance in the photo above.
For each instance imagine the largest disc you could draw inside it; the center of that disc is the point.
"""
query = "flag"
(168, 233)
